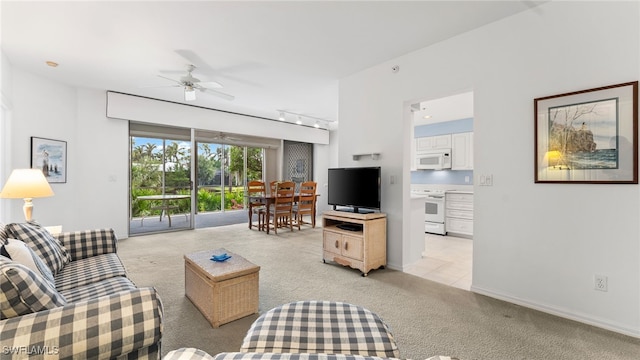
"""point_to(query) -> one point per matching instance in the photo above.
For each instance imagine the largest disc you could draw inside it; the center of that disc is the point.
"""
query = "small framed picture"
(50, 156)
(588, 136)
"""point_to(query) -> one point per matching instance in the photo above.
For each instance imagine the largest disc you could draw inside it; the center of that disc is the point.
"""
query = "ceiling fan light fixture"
(189, 93)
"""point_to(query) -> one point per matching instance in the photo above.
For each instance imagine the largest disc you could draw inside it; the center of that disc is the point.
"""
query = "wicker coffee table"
(222, 291)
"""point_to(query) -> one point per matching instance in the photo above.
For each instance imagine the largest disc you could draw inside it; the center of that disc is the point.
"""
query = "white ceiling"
(454, 107)
(269, 55)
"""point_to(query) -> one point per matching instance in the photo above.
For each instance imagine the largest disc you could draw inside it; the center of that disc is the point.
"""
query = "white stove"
(433, 209)
(427, 192)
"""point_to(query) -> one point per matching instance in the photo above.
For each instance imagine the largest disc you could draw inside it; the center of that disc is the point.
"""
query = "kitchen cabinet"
(462, 151)
(433, 143)
(355, 240)
(459, 213)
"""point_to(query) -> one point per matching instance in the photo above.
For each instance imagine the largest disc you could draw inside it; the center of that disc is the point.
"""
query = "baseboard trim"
(560, 312)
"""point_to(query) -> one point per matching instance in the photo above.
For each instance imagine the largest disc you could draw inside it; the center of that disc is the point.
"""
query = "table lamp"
(26, 184)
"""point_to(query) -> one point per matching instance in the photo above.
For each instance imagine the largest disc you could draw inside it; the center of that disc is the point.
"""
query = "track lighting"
(300, 118)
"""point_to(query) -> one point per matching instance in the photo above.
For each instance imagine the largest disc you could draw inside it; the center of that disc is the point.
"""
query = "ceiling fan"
(225, 137)
(191, 84)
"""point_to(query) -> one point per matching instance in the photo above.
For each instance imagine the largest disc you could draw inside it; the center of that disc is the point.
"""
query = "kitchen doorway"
(445, 126)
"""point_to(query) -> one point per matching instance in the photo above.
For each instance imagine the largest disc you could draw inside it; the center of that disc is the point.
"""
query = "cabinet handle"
(346, 245)
(337, 246)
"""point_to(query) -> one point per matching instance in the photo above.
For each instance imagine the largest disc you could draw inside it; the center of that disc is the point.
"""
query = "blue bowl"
(221, 257)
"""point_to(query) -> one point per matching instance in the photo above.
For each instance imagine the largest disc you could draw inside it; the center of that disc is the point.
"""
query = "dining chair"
(272, 191)
(306, 204)
(256, 188)
(280, 212)
(272, 186)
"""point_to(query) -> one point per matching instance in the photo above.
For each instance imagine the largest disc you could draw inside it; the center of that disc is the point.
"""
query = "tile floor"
(447, 260)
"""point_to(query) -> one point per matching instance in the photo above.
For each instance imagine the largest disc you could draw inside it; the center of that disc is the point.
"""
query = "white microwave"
(434, 160)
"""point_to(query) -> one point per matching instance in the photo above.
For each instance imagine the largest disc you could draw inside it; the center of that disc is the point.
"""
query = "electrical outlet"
(600, 282)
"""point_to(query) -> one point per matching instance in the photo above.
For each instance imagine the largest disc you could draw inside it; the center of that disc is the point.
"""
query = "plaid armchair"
(91, 310)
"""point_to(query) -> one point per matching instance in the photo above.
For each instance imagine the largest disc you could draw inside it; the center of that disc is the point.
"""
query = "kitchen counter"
(413, 248)
(459, 192)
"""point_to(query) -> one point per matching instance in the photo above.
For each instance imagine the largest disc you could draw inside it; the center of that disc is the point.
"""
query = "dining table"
(165, 206)
(266, 200)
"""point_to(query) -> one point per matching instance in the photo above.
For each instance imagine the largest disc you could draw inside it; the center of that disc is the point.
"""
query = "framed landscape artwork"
(588, 136)
(50, 156)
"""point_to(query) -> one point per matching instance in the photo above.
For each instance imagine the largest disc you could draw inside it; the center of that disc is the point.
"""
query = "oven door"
(434, 209)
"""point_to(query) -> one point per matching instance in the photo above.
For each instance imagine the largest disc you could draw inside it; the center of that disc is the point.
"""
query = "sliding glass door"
(223, 171)
(160, 184)
(167, 177)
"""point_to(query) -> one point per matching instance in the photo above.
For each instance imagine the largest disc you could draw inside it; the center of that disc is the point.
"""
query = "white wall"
(6, 112)
(538, 245)
(95, 194)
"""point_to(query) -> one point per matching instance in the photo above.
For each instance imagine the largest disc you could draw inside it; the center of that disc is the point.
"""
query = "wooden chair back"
(272, 186)
(282, 209)
(284, 196)
(256, 188)
(306, 202)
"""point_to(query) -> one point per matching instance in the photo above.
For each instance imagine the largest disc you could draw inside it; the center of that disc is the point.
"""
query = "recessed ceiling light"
(299, 122)
(427, 116)
(52, 63)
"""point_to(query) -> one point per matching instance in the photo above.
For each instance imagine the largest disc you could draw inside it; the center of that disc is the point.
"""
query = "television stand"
(362, 245)
(350, 227)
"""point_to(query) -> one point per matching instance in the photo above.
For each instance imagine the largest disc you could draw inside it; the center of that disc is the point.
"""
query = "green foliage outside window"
(147, 175)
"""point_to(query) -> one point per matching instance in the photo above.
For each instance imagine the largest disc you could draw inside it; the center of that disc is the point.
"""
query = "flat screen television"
(355, 187)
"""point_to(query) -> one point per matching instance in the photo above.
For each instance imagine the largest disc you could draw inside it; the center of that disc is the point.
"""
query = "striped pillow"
(42, 243)
(3, 233)
(19, 252)
(22, 291)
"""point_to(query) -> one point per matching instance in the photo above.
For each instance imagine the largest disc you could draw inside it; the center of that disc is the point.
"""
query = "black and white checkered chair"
(311, 330)
(320, 327)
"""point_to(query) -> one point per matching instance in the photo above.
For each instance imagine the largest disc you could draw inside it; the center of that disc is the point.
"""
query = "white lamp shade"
(26, 183)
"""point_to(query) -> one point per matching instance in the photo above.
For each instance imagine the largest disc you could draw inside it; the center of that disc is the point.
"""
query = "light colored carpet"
(426, 318)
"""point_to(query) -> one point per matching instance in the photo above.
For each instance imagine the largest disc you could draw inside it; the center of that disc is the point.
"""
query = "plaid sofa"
(95, 312)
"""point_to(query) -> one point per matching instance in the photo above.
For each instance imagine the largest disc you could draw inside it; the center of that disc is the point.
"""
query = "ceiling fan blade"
(196, 60)
(216, 93)
(160, 86)
(210, 84)
(170, 79)
(223, 137)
